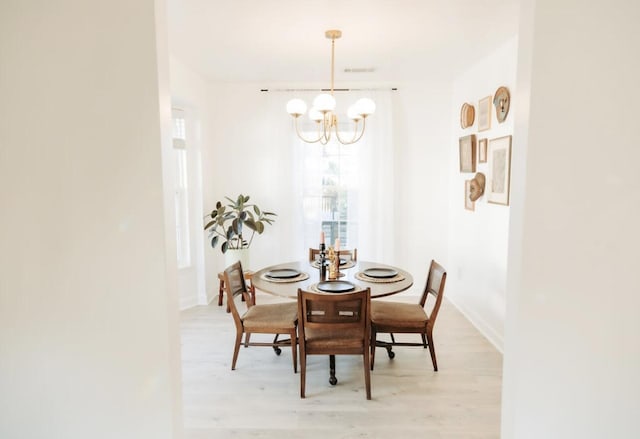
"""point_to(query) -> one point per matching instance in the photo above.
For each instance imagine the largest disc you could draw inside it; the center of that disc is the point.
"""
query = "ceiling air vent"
(359, 70)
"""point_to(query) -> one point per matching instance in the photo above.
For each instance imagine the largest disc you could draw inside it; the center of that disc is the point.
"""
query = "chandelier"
(322, 112)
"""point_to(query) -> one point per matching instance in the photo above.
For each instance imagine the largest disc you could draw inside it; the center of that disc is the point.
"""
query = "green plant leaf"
(209, 224)
(237, 226)
(256, 209)
(214, 241)
(259, 227)
(246, 198)
(218, 205)
(230, 233)
(251, 224)
(225, 246)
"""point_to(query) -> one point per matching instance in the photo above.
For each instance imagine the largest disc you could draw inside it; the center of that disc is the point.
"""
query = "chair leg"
(424, 341)
(236, 349)
(303, 372)
(247, 338)
(220, 292)
(373, 347)
(432, 351)
(294, 351)
(367, 373)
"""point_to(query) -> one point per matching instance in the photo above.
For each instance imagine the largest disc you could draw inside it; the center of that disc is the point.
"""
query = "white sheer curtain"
(377, 188)
(375, 185)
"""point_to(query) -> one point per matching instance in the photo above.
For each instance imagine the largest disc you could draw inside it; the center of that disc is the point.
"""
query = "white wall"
(189, 93)
(88, 315)
(243, 158)
(478, 239)
(422, 132)
(572, 351)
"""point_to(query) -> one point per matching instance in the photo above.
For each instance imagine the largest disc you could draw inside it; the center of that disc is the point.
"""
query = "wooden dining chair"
(351, 254)
(334, 324)
(248, 274)
(396, 317)
(275, 318)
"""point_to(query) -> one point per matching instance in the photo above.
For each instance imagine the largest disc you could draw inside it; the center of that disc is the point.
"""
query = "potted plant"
(229, 222)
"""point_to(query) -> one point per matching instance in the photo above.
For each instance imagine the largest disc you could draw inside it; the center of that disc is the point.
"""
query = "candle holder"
(323, 262)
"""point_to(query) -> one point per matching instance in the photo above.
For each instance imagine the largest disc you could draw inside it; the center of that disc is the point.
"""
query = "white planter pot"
(232, 256)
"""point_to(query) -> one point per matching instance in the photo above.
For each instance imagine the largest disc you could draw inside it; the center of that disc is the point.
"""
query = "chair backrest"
(340, 314)
(352, 254)
(435, 288)
(236, 288)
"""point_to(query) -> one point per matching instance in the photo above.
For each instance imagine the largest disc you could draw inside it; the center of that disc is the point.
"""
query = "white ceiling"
(283, 40)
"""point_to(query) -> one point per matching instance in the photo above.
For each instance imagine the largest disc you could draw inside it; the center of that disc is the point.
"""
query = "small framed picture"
(499, 170)
(482, 151)
(468, 204)
(468, 153)
(484, 114)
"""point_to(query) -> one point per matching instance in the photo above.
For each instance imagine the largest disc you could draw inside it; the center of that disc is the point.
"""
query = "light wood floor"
(261, 398)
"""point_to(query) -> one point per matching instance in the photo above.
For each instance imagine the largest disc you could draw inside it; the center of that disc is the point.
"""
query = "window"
(181, 189)
(330, 192)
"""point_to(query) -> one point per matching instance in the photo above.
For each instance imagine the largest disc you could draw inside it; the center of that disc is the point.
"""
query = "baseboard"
(188, 302)
(486, 330)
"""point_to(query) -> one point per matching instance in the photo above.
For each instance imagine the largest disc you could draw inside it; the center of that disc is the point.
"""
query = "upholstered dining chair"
(396, 317)
(334, 324)
(352, 254)
(274, 318)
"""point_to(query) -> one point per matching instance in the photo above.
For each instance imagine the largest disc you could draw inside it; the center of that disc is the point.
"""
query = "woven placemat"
(380, 280)
(348, 264)
(298, 278)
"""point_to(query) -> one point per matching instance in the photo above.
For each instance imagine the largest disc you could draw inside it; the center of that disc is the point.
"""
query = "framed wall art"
(482, 151)
(484, 114)
(468, 204)
(499, 170)
(468, 153)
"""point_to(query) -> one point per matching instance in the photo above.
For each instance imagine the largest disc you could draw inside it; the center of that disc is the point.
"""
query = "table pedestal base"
(332, 370)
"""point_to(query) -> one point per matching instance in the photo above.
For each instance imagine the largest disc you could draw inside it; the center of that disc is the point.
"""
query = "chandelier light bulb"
(296, 107)
(353, 113)
(365, 106)
(324, 102)
(315, 115)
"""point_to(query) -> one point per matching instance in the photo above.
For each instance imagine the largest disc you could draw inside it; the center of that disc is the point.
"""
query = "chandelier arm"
(329, 125)
(302, 137)
(355, 131)
(356, 136)
(326, 135)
